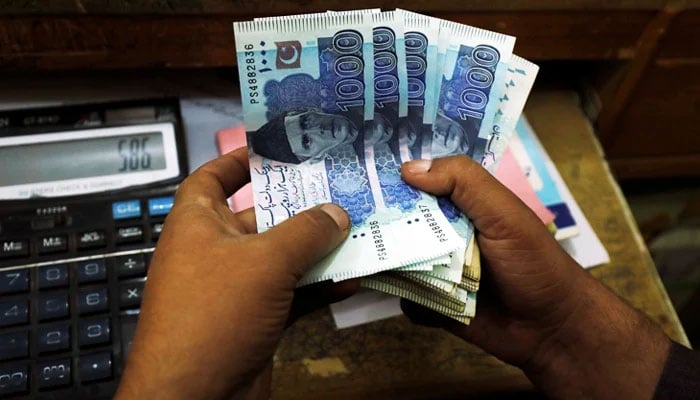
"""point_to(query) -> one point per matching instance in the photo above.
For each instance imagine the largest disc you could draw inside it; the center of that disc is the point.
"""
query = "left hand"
(219, 295)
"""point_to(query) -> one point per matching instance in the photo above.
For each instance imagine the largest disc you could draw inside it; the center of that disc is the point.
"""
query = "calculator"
(84, 192)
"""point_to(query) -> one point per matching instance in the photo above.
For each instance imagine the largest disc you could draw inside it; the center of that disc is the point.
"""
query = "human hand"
(538, 309)
(219, 295)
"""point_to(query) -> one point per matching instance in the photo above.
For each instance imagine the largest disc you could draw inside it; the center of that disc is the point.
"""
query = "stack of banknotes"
(335, 102)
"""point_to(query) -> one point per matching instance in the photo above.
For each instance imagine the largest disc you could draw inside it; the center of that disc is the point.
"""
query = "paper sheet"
(510, 174)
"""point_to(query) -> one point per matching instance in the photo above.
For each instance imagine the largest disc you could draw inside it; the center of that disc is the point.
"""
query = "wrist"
(603, 349)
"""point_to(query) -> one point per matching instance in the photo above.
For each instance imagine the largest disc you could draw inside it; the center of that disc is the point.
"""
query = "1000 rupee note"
(307, 91)
(520, 77)
(474, 66)
(461, 306)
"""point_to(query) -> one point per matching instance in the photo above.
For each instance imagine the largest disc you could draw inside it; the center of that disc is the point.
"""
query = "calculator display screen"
(53, 161)
(86, 161)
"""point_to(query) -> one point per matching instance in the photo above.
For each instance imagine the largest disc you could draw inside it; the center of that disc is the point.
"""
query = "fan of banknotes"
(335, 102)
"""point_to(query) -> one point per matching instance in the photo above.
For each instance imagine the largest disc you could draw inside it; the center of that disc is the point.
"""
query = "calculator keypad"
(91, 271)
(14, 312)
(14, 345)
(93, 300)
(15, 379)
(66, 325)
(14, 281)
(52, 306)
(53, 276)
(54, 373)
(53, 338)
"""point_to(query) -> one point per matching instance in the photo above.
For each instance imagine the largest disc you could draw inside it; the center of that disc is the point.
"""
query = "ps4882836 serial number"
(432, 223)
(250, 75)
(378, 239)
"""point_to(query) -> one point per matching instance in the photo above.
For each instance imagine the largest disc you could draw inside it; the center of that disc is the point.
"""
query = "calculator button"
(130, 294)
(93, 300)
(40, 224)
(14, 379)
(94, 331)
(156, 229)
(53, 276)
(160, 205)
(129, 234)
(91, 239)
(14, 281)
(126, 209)
(53, 338)
(97, 366)
(128, 325)
(131, 265)
(14, 345)
(52, 306)
(52, 244)
(14, 312)
(53, 373)
(91, 270)
(14, 248)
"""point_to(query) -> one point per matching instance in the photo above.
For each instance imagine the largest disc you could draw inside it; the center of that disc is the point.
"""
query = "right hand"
(538, 308)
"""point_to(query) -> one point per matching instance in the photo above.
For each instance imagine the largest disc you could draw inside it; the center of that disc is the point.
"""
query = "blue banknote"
(472, 79)
(308, 92)
(384, 136)
(473, 76)
(520, 76)
(304, 102)
(420, 38)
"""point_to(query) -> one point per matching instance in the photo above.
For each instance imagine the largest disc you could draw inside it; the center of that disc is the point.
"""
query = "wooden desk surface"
(395, 359)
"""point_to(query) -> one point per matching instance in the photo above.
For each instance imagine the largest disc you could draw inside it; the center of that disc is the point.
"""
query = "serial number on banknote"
(432, 223)
(252, 74)
(376, 232)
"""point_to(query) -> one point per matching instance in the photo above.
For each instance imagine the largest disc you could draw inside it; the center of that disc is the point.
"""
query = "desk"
(395, 359)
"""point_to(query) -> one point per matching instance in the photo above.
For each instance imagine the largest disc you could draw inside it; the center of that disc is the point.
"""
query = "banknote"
(520, 76)
(451, 271)
(475, 62)
(310, 15)
(421, 35)
(443, 296)
(307, 90)
(382, 134)
(473, 75)
(386, 140)
(472, 268)
(446, 281)
(407, 288)
(460, 306)
(287, 17)
(428, 281)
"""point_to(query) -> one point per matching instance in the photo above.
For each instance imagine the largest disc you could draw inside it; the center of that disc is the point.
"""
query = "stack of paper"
(335, 102)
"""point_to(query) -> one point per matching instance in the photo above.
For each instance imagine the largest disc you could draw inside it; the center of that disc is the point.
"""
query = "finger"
(303, 240)
(490, 205)
(246, 219)
(312, 297)
(216, 180)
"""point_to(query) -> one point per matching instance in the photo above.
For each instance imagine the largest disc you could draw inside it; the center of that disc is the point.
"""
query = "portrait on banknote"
(449, 137)
(302, 135)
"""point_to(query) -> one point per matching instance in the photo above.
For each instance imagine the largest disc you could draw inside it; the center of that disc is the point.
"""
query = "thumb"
(496, 212)
(300, 242)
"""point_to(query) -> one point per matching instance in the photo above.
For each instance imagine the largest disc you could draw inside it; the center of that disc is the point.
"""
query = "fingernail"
(418, 166)
(338, 214)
